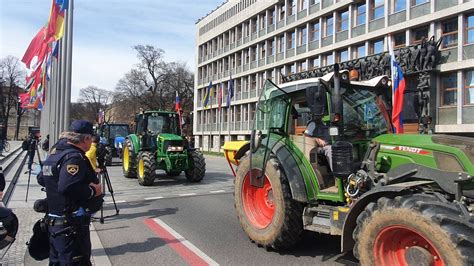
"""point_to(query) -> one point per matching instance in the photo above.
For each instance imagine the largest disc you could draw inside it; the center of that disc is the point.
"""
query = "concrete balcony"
(280, 24)
(443, 4)
(302, 14)
(280, 56)
(396, 18)
(290, 52)
(468, 51)
(314, 8)
(313, 45)
(254, 36)
(342, 36)
(270, 59)
(270, 28)
(420, 10)
(376, 24)
(326, 41)
(301, 49)
(327, 3)
(290, 19)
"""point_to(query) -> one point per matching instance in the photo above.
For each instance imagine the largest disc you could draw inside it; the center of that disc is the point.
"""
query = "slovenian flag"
(398, 90)
(177, 103)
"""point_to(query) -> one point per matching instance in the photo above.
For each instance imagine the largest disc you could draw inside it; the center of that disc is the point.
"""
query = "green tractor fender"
(347, 242)
(135, 142)
(289, 166)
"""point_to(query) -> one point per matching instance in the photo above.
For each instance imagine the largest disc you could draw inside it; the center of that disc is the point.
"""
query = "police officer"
(73, 193)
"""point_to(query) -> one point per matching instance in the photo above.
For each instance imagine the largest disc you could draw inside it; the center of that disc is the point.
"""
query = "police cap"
(82, 127)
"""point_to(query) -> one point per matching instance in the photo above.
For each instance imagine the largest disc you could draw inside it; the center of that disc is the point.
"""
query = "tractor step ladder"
(317, 219)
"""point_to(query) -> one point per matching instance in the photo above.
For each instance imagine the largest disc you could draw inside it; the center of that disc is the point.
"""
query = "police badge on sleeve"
(72, 169)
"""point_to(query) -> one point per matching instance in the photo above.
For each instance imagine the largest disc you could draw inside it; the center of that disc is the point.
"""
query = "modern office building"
(254, 40)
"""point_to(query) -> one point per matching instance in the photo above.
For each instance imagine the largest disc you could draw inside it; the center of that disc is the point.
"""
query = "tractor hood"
(166, 136)
(438, 146)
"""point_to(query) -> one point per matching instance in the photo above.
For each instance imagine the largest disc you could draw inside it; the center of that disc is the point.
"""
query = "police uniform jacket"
(66, 175)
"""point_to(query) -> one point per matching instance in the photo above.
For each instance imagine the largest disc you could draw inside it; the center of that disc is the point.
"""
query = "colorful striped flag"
(398, 90)
(207, 95)
(177, 106)
(219, 97)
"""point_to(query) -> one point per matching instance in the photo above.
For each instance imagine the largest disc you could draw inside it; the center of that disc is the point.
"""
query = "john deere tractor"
(112, 136)
(157, 144)
(395, 199)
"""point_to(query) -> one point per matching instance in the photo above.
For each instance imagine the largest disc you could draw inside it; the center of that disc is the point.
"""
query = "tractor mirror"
(317, 100)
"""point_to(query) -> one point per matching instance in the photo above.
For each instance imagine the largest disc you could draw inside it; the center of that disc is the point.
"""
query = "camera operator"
(73, 193)
(91, 154)
(30, 145)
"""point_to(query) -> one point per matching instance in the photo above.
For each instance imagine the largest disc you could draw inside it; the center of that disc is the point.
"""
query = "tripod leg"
(111, 190)
(28, 185)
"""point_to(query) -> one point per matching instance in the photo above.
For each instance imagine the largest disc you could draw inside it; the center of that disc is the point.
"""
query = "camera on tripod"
(101, 153)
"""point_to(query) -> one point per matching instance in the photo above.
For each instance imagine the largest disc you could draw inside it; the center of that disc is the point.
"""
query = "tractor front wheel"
(197, 167)
(146, 168)
(417, 229)
(268, 215)
(129, 160)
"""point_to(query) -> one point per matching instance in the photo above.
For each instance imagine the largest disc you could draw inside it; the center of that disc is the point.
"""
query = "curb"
(99, 256)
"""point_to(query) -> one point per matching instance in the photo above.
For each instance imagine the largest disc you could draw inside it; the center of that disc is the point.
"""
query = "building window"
(262, 50)
(399, 40)
(449, 89)
(292, 7)
(418, 35)
(262, 21)
(254, 23)
(360, 14)
(303, 34)
(376, 9)
(376, 47)
(361, 52)
(418, 2)
(291, 69)
(342, 56)
(314, 2)
(282, 12)
(329, 59)
(271, 17)
(449, 33)
(469, 86)
(470, 29)
(281, 44)
(314, 31)
(314, 62)
(303, 4)
(271, 45)
(291, 40)
(399, 5)
(342, 20)
(329, 26)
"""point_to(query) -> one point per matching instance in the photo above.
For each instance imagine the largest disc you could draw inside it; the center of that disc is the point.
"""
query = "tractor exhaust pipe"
(337, 118)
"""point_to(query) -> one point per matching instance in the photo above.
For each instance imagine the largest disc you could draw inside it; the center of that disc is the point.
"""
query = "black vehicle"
(113, 136)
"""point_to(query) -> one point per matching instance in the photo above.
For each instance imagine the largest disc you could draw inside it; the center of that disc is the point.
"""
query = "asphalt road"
(201, 216)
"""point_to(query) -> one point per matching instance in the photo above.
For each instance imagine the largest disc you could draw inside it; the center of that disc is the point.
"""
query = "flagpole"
(67, 87)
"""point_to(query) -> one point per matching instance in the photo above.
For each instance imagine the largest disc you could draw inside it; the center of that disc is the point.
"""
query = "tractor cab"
(301, 112)
(152, 123)
(112, 135)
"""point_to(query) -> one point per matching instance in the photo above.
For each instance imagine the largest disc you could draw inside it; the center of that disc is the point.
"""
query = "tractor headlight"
(174, 148)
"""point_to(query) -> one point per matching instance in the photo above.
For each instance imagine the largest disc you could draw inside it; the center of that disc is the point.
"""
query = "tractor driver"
(317, 130)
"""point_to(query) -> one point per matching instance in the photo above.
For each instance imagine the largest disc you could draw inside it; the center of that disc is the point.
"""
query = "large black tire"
(146, 175)
(173, 173)
(129, 160)
(197, 167)
(419, 224)
(108, 156)
(279, 231)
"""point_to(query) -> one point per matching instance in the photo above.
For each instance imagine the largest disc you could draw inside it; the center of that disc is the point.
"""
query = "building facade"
(249, 41)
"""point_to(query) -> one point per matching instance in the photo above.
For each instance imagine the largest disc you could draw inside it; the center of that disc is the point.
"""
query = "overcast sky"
(105, 31)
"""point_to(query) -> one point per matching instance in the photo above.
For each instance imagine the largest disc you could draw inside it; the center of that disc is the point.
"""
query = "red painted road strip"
(187, 254)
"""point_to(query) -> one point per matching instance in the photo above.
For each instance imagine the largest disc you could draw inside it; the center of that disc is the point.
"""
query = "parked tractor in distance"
(395, 199)
(157, 144)
(112, 136)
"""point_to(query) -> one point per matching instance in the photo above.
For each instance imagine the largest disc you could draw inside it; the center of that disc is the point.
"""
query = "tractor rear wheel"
(418, 229)
(268, 215)
(108, 156)
(173, 173)
(146, 168)
(129, 160)
(197, 166)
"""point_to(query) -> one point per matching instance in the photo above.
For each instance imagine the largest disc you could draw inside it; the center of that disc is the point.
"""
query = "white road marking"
(185, 242)
(187, 194)
(117, 201)
(153, 198)
(217, 191)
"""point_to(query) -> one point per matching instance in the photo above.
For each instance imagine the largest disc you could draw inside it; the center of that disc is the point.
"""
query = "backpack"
(38, 246)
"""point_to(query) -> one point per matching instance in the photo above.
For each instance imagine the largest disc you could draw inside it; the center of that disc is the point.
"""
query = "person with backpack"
(72, 194)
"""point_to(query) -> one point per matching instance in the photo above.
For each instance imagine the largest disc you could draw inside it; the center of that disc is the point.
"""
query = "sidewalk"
(18, 254)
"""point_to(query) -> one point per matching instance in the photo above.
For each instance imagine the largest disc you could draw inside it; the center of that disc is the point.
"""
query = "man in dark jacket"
(73, 193)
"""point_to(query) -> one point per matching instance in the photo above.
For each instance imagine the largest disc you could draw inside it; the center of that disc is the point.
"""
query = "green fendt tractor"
(395, 199)
(112, 135)
(157, 144)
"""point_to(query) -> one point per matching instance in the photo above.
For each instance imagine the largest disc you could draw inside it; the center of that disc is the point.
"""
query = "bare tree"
(11, 77)
(94, 100)
(180, 79)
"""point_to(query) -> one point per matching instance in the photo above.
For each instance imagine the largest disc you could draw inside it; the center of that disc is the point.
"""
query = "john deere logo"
(72, 169)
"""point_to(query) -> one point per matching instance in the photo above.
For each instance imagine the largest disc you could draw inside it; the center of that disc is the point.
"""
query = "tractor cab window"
(363, 118)
(140, 124)
(118, 131)
(163, 123)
